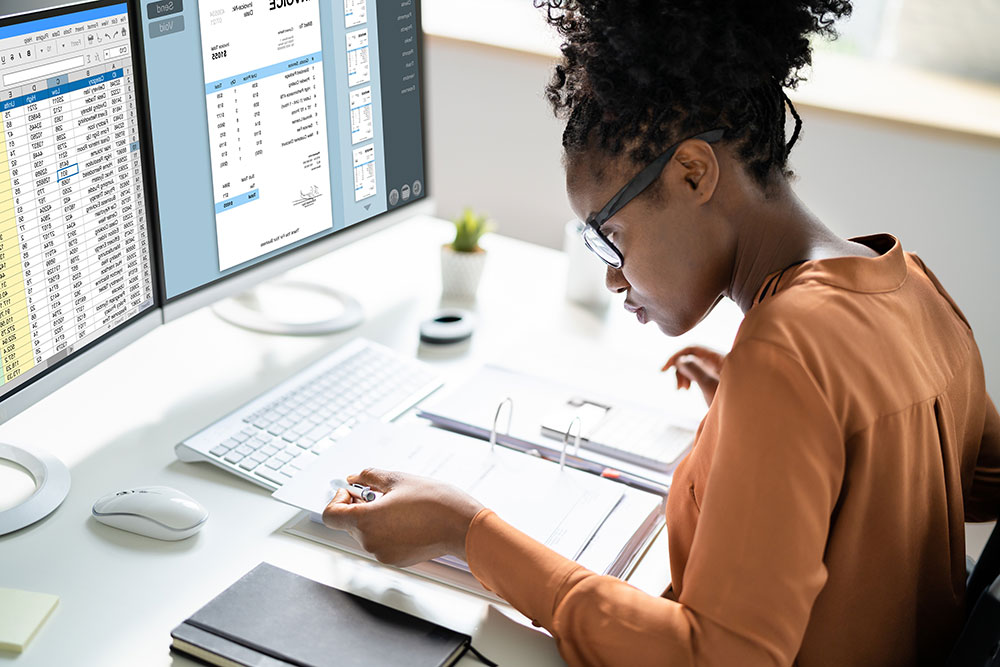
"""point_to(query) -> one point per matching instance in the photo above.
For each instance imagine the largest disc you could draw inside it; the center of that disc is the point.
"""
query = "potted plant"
(462, 260)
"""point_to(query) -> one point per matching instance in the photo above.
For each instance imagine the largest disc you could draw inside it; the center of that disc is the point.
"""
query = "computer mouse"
(154, 511)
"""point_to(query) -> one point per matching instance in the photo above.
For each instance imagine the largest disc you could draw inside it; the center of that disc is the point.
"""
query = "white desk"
(116, 426)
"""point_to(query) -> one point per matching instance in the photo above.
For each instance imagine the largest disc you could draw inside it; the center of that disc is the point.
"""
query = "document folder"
(601, 524)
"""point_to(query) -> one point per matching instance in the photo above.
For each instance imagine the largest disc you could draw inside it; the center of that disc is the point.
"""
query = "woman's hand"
(698, 364)
(416, 519)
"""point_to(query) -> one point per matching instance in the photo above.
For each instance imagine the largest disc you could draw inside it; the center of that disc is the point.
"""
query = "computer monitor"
(78, 279)
(281, 129)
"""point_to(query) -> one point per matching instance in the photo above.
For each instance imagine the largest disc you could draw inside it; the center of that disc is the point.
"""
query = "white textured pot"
(460, 272)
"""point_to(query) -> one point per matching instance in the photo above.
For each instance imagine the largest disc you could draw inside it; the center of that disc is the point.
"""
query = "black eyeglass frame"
(630, 191)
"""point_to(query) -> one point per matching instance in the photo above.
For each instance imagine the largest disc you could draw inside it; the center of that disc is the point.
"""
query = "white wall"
(493, 142)
(496, 146)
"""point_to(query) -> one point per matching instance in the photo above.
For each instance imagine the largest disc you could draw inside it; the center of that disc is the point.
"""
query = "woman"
(818, 519)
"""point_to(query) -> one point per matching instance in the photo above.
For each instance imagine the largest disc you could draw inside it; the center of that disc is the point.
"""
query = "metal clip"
(509, 402)
(576, 447)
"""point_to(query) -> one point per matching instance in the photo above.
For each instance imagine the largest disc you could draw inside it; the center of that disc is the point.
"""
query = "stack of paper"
(577, 514)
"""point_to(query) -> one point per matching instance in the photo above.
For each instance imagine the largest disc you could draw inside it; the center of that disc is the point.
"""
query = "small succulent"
(469, 228)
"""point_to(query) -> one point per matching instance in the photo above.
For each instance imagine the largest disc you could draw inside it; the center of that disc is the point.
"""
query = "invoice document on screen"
(562, 509)
(266, 123)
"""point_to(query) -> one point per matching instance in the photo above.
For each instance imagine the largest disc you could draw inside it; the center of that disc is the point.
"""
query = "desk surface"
(116, 426)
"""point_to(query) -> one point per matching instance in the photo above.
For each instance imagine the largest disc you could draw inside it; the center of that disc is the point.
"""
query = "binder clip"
(509, 402)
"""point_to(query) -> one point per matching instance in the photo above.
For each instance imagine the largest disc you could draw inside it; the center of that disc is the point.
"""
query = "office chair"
(979, 643)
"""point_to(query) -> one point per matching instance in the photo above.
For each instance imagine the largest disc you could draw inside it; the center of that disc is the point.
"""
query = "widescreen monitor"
(280, 129)
(78, 275)
(77, 263)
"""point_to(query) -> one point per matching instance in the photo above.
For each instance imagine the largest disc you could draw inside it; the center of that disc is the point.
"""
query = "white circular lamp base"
(292, 308)
(52, 482)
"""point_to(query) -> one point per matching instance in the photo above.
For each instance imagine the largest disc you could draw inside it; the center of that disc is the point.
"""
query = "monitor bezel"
(248, 277)
(25, 395)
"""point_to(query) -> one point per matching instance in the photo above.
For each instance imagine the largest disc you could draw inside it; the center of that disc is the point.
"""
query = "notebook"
(272, 618)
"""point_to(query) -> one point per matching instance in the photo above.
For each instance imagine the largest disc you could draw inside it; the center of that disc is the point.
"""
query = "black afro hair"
(639, 75)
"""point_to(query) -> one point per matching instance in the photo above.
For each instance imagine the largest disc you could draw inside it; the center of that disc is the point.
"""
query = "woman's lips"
(639, 311)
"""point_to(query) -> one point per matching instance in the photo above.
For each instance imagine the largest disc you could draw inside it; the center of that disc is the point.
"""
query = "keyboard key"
(259, 457)
(248, 464)
(271, 475)
(234, 457)
(269, 450)
(384, 405)
(219, 450)
(341, 431)
(241, 437)
(244, 450)
(274, 463)
(319, 431)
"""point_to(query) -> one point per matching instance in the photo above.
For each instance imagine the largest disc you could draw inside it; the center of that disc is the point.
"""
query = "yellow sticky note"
(21, 614)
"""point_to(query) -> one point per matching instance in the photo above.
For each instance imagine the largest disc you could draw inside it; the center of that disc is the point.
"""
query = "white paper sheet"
(562, 509)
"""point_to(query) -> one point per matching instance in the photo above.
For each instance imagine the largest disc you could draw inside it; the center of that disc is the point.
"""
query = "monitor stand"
(51, 486)
(292, 308)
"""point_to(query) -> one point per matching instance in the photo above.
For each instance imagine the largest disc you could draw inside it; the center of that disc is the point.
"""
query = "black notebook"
(272, 617)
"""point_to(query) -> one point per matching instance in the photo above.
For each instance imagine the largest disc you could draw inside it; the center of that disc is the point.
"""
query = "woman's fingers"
(693, 368)
(677, 355)
(710, 357)
(338, 513)
(376, 478)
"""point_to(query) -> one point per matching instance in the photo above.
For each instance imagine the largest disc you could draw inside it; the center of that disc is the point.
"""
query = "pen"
(358, 491)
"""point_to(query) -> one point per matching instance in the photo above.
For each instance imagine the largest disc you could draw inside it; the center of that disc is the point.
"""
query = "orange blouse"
(819, 518)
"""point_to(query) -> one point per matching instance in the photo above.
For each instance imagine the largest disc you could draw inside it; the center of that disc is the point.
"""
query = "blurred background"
(901, 134)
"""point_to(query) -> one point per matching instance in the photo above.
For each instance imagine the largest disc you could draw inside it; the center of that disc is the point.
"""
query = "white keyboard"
(277, 434)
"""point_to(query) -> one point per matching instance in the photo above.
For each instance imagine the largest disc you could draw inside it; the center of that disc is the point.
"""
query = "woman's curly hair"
(638, 75)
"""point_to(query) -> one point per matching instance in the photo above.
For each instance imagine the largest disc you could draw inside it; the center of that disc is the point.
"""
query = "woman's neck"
(775, 233)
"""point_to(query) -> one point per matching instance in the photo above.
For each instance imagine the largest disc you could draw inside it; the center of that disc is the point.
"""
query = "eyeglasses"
(594, 238)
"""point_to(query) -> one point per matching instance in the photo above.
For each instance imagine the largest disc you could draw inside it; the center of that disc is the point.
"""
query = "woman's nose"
(615, 281)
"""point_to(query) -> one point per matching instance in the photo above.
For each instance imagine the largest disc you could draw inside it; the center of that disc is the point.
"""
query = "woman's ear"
(699, 169)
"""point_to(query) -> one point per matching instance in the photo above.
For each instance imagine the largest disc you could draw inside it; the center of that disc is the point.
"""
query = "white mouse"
(154, 511)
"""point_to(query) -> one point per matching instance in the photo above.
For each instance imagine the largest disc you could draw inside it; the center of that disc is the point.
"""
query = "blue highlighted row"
(55, 91)
(62, 20)
(262, 73)
(238, 200)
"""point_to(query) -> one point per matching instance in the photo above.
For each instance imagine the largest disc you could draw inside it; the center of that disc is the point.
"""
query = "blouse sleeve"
(983, 500)
(756, 563)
